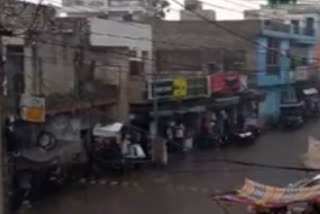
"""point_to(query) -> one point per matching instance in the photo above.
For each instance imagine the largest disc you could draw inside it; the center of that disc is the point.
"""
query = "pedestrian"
(159, 152)
(170, 131)
(212, 123)
(180, 134)
(125, 147)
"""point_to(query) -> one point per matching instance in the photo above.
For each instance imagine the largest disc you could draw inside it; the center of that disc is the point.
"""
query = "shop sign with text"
(181, 88)
(225, 83)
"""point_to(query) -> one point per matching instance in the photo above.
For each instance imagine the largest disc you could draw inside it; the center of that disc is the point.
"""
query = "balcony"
(277, 27)
(281, 30)
(269, 79)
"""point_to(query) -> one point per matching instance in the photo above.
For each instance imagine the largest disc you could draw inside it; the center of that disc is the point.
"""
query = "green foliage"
(159, 7)
(279, 2)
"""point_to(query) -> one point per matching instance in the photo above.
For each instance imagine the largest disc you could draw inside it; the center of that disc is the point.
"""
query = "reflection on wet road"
(185, 186)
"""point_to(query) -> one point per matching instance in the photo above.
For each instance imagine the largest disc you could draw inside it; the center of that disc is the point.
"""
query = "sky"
(225, 9)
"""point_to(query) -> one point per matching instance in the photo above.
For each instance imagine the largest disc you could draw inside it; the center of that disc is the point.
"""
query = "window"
(273, 56)
(310, 27)
(79, 3)
(234, 60)
(212, 68)
(128, 17)
(133, 53)
(136, 67)
(145, 55)
(296, 26)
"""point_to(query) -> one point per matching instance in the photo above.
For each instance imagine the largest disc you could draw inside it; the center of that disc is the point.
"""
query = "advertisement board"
(33, 108)
(179, 87)
(226, 82)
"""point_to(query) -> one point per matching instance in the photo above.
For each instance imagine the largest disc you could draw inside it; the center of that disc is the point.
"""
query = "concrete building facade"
(194, 11)
(75, 61)
(265, 48)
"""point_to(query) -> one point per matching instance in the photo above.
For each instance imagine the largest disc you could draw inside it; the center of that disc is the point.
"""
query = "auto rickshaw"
(110, 149)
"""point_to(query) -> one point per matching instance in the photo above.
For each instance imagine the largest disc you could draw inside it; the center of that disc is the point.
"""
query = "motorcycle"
(245, 135)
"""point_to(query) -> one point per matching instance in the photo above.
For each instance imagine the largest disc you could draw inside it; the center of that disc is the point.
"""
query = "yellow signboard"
(34, 114)
(33, 108)
(179, 87)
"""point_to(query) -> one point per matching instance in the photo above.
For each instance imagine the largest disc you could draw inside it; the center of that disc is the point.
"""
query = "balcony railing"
(309, 31)
(275, 26)
(287, 28)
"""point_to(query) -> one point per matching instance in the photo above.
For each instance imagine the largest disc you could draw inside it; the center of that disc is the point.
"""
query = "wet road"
(184, 187)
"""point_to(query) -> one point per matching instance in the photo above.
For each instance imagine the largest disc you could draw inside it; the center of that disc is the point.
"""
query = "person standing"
(125, 147)
(180, 134)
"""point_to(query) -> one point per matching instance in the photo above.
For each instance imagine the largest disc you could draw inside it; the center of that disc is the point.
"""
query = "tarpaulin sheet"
(269, 196)
(312, 158)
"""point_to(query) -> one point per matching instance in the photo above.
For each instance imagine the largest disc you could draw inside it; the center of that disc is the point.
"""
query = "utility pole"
(2, 203)
(3, 112)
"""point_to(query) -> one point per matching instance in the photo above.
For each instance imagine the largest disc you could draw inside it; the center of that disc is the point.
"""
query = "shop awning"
(224, 102)
(168, 112)
(310, 91)
(291, 104)
(108, 131)
(252, 94)
(312, 158)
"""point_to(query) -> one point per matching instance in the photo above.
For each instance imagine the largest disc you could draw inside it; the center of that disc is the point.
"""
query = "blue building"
(282, 48)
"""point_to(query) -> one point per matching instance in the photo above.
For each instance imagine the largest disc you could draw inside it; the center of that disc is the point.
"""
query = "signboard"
(225, 82)
(182, 87)
(179, 87)
(302, 73)
(32, 108)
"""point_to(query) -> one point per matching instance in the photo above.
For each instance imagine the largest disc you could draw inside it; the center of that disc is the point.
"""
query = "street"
(185, 186)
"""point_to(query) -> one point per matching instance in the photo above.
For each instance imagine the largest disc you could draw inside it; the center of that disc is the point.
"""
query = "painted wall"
(138, 37)
(269, 109)
(265, 79)
(272, 84)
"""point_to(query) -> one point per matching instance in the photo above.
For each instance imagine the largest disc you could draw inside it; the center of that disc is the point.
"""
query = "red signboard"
(225, 83)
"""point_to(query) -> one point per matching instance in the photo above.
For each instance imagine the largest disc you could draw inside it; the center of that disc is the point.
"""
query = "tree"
(278, 2)
(159, 8)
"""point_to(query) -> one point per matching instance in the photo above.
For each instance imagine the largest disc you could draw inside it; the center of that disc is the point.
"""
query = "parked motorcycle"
(243, 136)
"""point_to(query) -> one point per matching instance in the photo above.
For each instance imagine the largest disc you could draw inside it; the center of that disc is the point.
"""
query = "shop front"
(175, 105)
(225, 100)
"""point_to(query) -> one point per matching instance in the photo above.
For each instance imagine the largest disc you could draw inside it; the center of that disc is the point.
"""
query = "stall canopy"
(111, 130)
(310, 91)
(253, 193)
